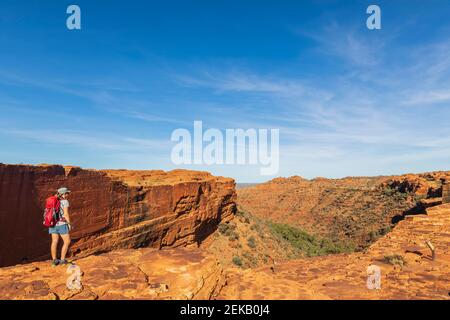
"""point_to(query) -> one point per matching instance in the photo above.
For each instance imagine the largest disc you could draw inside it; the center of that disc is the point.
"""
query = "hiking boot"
(64, 262)
(55, 262)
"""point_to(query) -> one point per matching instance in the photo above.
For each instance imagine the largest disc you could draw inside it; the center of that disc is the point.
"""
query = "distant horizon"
(237, 182)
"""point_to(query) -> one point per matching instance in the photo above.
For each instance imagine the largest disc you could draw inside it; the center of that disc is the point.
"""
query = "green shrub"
(258, 227)
(237, 261)
(401, 196)
(250, 259)
(419, 197)
(240, 213)
(395, 193)
(244, 216)
(389, 191)
(373, 235)
(385, 230)
(226, 228)
(233, 236)
(395, 259)
(223, 228)
(251, 241)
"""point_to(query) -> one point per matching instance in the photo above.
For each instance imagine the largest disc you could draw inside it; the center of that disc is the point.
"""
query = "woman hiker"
(62, 228)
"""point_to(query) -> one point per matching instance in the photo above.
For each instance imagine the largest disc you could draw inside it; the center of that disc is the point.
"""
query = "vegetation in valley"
(308, 244)
(248, 241)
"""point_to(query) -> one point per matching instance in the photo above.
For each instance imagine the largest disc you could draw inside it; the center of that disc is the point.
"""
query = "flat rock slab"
(148, 273)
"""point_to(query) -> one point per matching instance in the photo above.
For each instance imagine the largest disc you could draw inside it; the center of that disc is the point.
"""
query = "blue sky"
(348, 101)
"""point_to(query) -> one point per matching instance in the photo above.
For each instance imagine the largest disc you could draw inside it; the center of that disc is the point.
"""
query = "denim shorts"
(64, 229)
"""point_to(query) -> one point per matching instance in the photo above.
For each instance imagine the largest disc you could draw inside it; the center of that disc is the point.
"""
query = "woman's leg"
(54, 246)
(65, 248)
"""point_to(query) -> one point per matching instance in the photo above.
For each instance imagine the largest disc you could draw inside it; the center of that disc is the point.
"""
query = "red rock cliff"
(110, 209)
(446, 193)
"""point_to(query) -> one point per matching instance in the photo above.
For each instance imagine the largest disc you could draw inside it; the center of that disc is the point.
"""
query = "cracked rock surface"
(148, 273)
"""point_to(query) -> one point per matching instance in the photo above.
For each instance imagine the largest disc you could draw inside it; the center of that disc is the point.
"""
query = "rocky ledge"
(147, 273)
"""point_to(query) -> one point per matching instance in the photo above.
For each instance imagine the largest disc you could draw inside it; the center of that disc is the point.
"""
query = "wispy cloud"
(89, 140)
(113, 96)
(429, 97)
(154, 118)
(432, 61)
(348, 44)
(242, 82)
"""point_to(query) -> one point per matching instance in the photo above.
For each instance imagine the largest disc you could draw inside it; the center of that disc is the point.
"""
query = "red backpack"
(51, 213)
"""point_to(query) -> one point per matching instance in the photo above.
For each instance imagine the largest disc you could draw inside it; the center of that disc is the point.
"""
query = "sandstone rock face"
(110, 209)
(446, 193)
(146, 273)
(426, 185)
(355, 210)
(345, 276)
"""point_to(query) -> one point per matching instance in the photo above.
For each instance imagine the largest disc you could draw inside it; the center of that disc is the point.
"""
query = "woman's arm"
(66, 215)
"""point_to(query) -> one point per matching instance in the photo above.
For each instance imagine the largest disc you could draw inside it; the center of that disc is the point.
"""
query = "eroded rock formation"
(446, 193)
(110, 209)
(407, 268)
(356, 209)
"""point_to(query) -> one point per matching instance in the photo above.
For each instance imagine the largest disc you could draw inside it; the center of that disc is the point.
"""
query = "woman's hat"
(63, 190)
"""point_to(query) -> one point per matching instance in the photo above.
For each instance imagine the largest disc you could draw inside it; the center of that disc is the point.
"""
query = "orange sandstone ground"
(144, 273)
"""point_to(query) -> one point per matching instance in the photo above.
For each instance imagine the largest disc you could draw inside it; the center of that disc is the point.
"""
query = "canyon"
(190, 235)
(354, 210)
